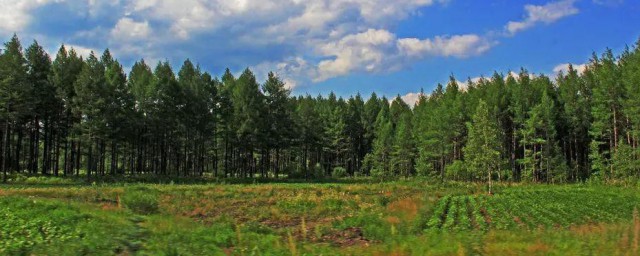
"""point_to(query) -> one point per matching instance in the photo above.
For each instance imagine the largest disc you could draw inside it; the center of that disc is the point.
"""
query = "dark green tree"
(484, 144)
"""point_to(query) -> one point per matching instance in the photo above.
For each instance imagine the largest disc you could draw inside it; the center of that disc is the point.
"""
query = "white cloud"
(292, 71)
(127, 29)
(302, 41)
(378, 50)
(82, 50)
(15, 15)
(458, 46)
(411, 98)
(547, 13)
(564, 68)
(464, 85)
(284, 16)
(364, 51)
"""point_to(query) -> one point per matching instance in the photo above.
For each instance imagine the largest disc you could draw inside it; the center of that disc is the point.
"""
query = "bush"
(339, 172)
(318, 171)
(379, 174)
(141, 200)
(315, 172)
(457, 171)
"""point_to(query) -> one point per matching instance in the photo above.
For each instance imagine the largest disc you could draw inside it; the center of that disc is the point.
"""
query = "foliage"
(141, 200)
(532, 208)
(85, 117)
(339, 172)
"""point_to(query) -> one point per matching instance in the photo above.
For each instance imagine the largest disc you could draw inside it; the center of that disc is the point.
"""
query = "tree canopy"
(87, 117)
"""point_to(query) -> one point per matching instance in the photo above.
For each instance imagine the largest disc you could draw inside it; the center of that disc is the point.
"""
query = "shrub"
(339, 172)
(318, 171)
(378, 173)
(315, 172)
(457, 171)
(141, 200)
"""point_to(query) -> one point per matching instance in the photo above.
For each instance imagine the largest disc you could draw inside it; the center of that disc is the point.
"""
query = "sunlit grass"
(368, 218)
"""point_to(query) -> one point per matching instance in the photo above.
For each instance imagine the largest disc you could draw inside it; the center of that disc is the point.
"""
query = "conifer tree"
(608, 96)
(279, 130)
(483, 148)
(403, 153)
(379, 160)
(543, 160)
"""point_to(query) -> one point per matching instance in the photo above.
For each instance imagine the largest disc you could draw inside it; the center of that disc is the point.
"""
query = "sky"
(391, 47)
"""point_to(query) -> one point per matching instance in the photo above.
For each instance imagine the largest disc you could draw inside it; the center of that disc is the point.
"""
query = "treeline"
(77, 116)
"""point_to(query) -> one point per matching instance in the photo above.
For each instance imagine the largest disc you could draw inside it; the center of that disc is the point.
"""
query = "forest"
(66, 115)
(161, 162)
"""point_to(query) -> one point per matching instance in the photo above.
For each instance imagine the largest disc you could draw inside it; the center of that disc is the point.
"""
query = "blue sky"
(346, 46)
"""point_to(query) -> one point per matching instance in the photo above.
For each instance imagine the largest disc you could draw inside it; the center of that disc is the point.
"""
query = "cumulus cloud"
(292, 71)
(547, 14)
(458, 46)
(564, 68)
(302, 41)
(378, 50)
(82, 50)
(411, 98)
(464, 85)
(364, 51)
(293, 16)
(127, 29)
(15, 15)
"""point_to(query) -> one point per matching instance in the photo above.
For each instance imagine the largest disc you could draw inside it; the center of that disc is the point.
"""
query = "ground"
(343, 217)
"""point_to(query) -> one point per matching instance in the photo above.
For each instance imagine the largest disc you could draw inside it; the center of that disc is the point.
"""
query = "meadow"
(54, 216)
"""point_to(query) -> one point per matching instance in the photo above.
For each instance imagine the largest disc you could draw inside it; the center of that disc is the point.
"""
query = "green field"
(352, 217)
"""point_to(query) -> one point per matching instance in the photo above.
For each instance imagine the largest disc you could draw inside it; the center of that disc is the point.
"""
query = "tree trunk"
(5, 151)
(114, 158)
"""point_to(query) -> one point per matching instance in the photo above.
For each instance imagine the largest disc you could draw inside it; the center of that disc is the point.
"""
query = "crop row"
(531, 209)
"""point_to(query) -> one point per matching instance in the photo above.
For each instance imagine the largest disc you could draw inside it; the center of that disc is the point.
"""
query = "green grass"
(40, 227)
(361, 217)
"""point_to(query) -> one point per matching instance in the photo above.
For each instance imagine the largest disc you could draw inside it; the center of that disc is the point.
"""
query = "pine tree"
(64, 73)
(370, 113)
(15, 104)
(167, 105)
(119, 110)
(43, 105)
(355, 132)
(337, 143)
(575, 103)
(608, 96)
(379, 160)
(310, 131)
(543, 159)
(629, 64)
(403, 153)
(482, 151)
(140, 84)
(89, 103)
(248, 105)
(279, 130)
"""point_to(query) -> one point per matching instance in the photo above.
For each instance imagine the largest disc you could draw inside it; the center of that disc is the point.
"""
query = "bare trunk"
(4, 151)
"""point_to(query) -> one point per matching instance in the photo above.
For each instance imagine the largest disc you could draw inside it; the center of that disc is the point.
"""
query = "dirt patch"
(538, 247)
(486, 216)
(281, 224)
(348, 237)
(109, 207)
(406, 208)
(229, 250)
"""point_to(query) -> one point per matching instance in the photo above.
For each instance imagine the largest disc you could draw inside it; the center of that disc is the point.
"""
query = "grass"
(348, 217)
